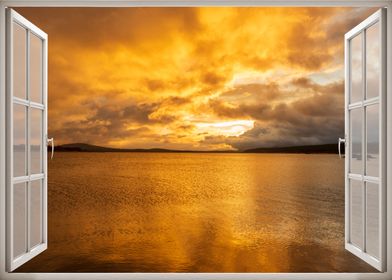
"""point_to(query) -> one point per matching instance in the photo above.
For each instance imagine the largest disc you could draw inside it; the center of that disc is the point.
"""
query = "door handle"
(51, 140)
(341, 140)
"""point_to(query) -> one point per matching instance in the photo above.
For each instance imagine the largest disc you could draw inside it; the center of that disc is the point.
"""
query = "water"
(176, 212)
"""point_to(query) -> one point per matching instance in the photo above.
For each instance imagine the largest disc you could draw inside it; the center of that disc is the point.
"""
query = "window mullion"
(364, 139)
(28, 222)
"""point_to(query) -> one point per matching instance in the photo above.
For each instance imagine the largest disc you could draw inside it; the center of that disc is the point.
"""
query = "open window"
(26, 140)
(365, 139)
(365, 133)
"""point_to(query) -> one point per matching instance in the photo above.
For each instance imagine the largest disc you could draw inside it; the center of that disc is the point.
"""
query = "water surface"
(179, 212)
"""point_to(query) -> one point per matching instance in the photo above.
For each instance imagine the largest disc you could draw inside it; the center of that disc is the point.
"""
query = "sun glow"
(226, 128)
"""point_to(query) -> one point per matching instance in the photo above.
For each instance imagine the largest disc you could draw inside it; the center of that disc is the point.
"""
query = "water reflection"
(195, 213)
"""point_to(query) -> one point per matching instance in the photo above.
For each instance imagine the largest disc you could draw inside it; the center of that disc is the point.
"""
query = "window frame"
(363, 104)
(191, 3)
(29, 177)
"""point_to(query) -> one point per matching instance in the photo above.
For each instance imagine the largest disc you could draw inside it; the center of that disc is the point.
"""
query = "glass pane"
(19, 140)
(36, 141)
(356, 69)
(19, 218)
(19, 61)
(36, 213)
(373, 60)
(356, 141)
(372, 219)
(35, 69)
(372, 137)
(356, 213)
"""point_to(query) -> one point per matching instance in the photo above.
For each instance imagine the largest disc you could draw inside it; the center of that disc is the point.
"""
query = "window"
(26, 146)
(25, 139)
(365, 133)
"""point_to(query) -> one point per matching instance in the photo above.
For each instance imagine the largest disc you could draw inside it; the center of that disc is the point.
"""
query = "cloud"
(315, 117)
(147, 77)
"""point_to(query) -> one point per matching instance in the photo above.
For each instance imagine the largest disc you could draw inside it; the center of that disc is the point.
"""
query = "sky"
(196, 78)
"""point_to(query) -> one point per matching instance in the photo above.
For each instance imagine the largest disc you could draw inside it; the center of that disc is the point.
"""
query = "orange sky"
(196, 78)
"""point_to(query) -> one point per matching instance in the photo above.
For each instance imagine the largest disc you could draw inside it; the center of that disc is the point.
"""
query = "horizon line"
(78, 147)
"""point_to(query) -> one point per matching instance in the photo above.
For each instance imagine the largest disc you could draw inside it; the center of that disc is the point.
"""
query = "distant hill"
(82, 147)
(310, 149)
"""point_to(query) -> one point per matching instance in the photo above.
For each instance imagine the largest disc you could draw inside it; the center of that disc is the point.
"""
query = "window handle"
(51, 140)
(341, 140)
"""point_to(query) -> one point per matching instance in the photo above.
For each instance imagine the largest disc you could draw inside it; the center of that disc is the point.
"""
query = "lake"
(195, 212)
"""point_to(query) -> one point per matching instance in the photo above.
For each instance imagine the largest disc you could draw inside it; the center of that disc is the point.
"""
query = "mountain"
(82, 147)
(310, 149)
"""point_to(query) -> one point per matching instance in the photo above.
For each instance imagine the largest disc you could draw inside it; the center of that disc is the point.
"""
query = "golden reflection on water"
(148, 212)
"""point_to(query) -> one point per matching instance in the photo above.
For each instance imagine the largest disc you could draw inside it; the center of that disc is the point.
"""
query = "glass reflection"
(36, 213)
(356, 141)
(35, 69)
(373, 59)
(19, 219)
(372, 219)
(36, 141)
(372, 143)
(19, 61)
(356, 69)
(356, 231)
(19, 127)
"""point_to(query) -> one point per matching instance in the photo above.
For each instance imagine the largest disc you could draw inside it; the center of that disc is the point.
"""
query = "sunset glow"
(228, 128)
(196, 78)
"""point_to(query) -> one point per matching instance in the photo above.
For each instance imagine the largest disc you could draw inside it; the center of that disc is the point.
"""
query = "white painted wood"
(384, 144)
(360, 30)
(359, 104)
(191, 276)
(14, 262)
(362, 255)
(358, 177)
(44, 142)
(9, 141)
(194, 3)
(347, 58)
(363, 25)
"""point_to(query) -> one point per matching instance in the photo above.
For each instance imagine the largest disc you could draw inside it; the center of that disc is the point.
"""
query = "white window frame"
(15, 18)
(377, 17)
(191, 3)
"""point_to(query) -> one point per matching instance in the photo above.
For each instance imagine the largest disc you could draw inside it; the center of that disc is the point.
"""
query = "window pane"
(36, 213)
(372, 219)
(35, 69)
(19, 218)
(373, 59)
(356, 69)
(19, 61)
(356, 141)
(19, 140)
(372, 137)
(356, 213)
(36, 141)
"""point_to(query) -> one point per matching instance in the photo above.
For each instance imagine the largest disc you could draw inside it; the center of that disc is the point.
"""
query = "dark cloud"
(100, 133)
(315, 117)
(154, 85)
(177, 100)
(213, 78)
(139, 113)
